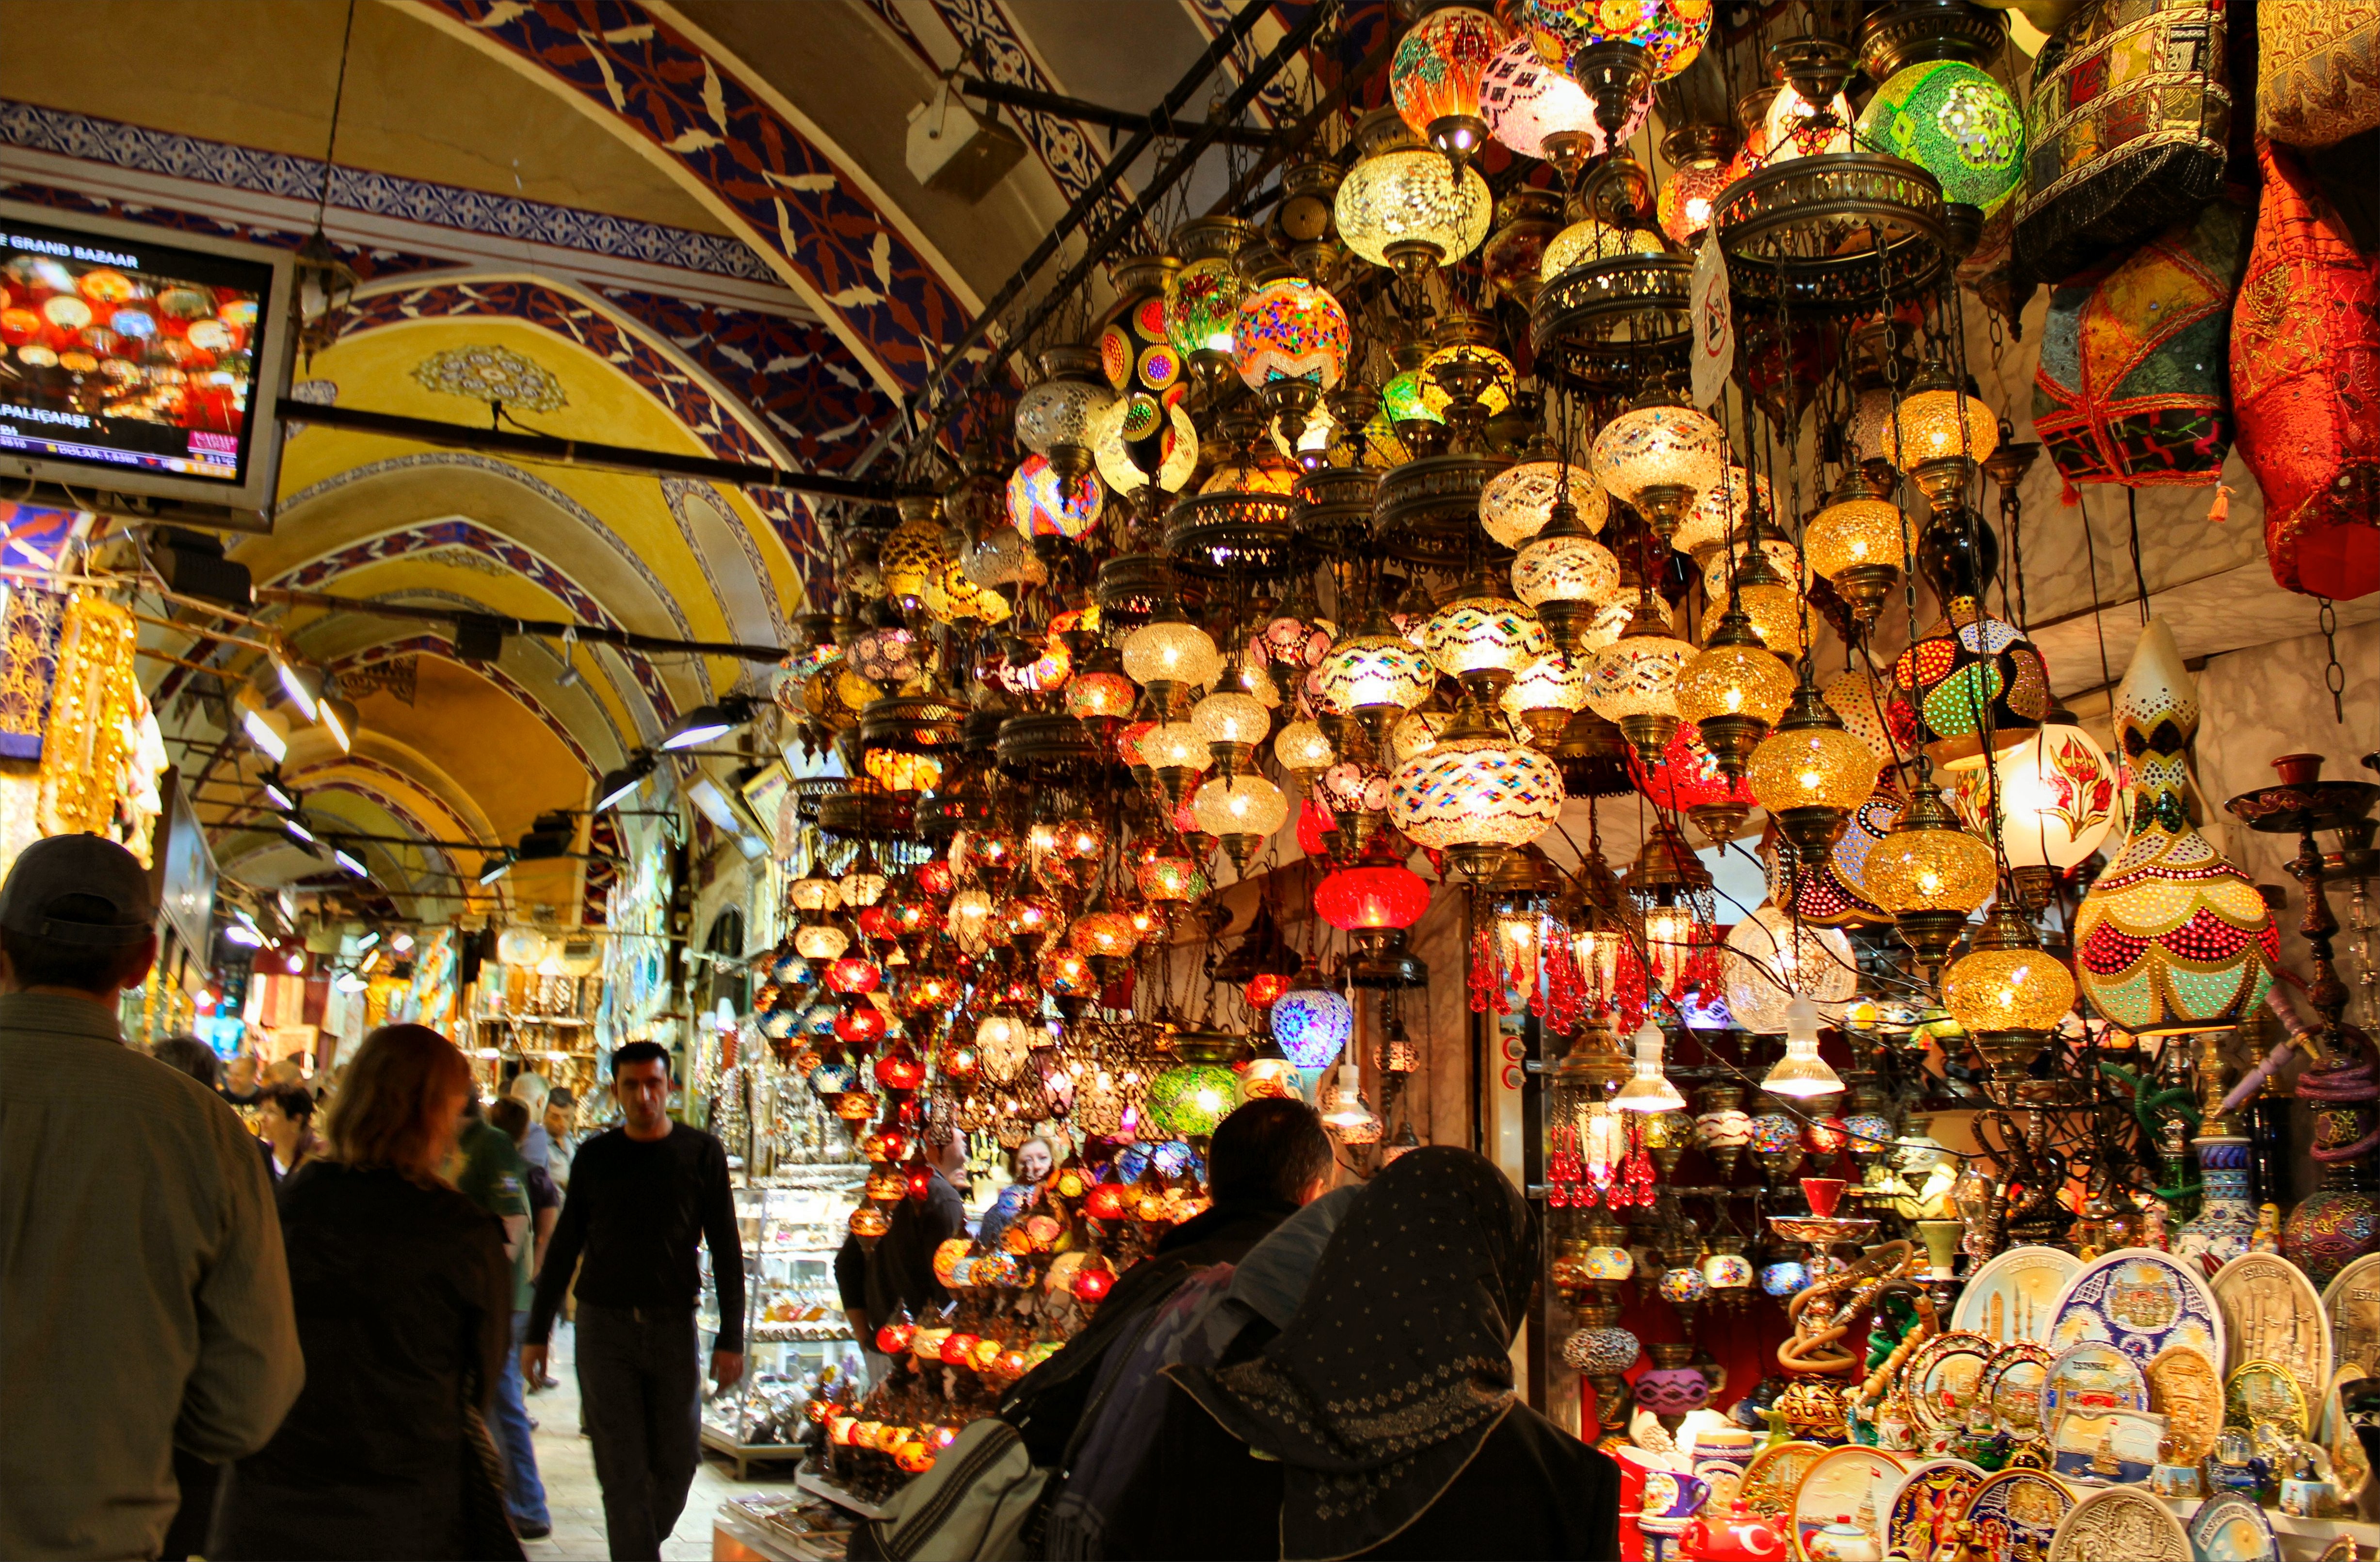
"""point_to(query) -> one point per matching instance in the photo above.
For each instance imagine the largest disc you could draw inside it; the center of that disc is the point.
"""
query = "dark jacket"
(1533, 1491)
(1048, 1403)
(897, 1274)
(403, 1305)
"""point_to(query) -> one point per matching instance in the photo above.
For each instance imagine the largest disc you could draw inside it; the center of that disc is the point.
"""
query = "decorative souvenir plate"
(1851, 1483)
(2117, 1448)
(2186, 1391)
(2271, 1313)
(2012, 1388)
(2229, 1528)
(2016, 1513)
(2014, 1296)
(2349, 1466)
(1926, 1507)
(1770, 1480)
(2140, 1301)
(2351, 1302)
(2264, 1392)
(1944, 1376)
(2094, 1378)
(2120, 1524)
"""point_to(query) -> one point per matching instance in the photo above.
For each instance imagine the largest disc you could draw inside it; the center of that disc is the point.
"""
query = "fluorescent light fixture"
(298, 832)
(348, 981)
(706, 723)
(364, 944)
(618, 786)
(497, 867)
(247, 937)
(348, 860)
(280, 797)
(337, 717)
(261, 733)
(302, 685)
(402, 943)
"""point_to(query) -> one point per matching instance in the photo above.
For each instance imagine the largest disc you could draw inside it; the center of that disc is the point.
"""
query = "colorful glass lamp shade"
(1535, 109)
(1188, 1101)
(2172, 939)
(1434, 77)
(2056, 797)
(1672, 32)
(1966, 665)
(1956, 123)
(1474, 797)
(1405, 206)
(1515, 504)
(1138, 443)
(1042, 504)
(1291, 329)
(1312, 1025)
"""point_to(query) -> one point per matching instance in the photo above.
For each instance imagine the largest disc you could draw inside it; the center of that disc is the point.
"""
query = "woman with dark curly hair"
(405, 1309)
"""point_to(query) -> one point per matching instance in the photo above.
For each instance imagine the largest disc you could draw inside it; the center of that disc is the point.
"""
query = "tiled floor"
(567, 1461)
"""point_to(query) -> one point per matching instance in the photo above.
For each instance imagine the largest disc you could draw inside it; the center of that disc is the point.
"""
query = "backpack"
(975, 1505)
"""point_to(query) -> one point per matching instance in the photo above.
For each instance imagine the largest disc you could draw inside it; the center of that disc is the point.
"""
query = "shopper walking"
(284, 1119)
(560, 1121)
(531, 1090)
(240, 1082)
(640, 1197)
(896, 1276)
(403, 1302)
(190, 1055)
(1382, 1421)
(495, 1177)
(143, 1301)
(544, 1197)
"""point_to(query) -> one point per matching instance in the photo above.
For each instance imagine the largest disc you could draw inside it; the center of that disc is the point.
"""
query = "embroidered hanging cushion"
(2131, 388)
(2306, 380)
(2318, 70)
(2125, 132)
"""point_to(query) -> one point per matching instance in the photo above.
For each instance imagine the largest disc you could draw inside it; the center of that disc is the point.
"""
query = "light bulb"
(1802, 1072)
(1649, 1089)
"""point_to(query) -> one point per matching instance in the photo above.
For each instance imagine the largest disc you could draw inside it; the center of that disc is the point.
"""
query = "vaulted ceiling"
(688, 228)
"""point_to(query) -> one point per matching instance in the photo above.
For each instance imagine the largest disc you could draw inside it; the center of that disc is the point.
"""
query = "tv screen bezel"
(262, 467)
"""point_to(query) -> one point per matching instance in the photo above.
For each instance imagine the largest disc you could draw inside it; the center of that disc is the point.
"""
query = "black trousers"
(640, 1387)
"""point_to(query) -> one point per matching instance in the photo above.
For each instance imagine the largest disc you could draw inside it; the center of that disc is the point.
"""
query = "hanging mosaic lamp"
(1403, 206)
(1660, 456)
(1955, 122)
(2007, 992)
(1139, 442)
(1434, 77)
(1732, 691)
(1858, 543)
(1202, 299)
(1968, 673)
(1475, 795)
(1041, 503)
(1634, 681)
(1931, 872)
(1515, 504)
(2050, 801)
(2171, 938)
(1535, 109)
(1672, 32)
(1312, 1023)
(1483, 638)
(1055, 415)
(1773, 960)
(1291, 329)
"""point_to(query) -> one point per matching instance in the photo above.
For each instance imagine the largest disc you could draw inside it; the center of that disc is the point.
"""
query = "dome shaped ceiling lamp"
(1732, 691)
(1809, 773)
(1936, 108)
(1660, 456)
(1931, 873)
(1564, 573)
(1376, 676)
(1434, 78)
(1202, 299)
(1483, 638)
(1475, 795)
(1056, 414)
(2006, 993)
(1859, 544)
(1291, 344)
(1407, 207)
(1168, 654)
(1634, 681)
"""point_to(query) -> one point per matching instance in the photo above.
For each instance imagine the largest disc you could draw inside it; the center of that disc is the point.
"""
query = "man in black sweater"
(897, 1275)
(642, 1195)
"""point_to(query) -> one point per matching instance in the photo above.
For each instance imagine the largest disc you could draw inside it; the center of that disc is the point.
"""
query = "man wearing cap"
(144, 1305)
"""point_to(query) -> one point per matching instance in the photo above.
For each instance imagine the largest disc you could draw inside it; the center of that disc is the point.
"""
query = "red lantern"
(1093, 1281)
(1264, 989)
(1314, 822)
(900, 1069)
(894, 1337)
(1371, 897)
(935, 877)
(876, 921)
(1689, 776)
(859, 1023)
(958, 1351)
(1106, 1202)
(852, 976)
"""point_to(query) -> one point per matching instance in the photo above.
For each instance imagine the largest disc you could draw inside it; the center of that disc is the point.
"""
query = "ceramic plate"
(1928, 1504)
(1770, 1480)
(2120, 1524)
(2231, 1529)
(1850, 1482)
(2185, 1389)
(2094, 1378)
(1943, 1376)
(2351, 1302)
(2271, 1313)
(2264, 1391)
(2011, 1386)
(2140, 1301)
(2014, 1295)
(2016, 1513)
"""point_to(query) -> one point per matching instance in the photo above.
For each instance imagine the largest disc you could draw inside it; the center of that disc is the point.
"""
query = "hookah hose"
(2347, 1080)
(2150, 1109)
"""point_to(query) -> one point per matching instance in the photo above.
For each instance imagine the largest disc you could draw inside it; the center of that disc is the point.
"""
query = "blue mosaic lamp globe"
(1312, 1025)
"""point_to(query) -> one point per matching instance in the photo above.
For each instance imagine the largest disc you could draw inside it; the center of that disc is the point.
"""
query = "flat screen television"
(139, 361)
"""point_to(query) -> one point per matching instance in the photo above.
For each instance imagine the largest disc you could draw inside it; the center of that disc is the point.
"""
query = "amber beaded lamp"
(1930, 873)
(2171, 938)
(1734, 691)
(2006, 992)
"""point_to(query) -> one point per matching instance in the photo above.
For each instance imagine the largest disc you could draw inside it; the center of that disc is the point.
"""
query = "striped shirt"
(143, 1298)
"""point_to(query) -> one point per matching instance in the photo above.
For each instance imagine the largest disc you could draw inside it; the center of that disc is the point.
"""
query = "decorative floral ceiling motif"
(812, 219)
(492, 374)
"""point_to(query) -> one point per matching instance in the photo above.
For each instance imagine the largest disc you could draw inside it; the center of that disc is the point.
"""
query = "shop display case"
(790, 1227)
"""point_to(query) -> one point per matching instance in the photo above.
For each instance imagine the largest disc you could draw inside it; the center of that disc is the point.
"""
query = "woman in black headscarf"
(1382, 1421)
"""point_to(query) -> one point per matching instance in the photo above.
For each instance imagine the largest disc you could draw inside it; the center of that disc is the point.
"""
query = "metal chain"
(2334, 676)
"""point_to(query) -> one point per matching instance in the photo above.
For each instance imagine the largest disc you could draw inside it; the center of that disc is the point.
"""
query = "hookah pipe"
(2300, 1035)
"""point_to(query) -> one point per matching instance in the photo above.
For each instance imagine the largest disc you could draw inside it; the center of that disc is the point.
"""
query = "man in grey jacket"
(144, 1305)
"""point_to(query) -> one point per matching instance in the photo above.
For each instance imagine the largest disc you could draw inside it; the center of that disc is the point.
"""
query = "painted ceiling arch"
(748, 154)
